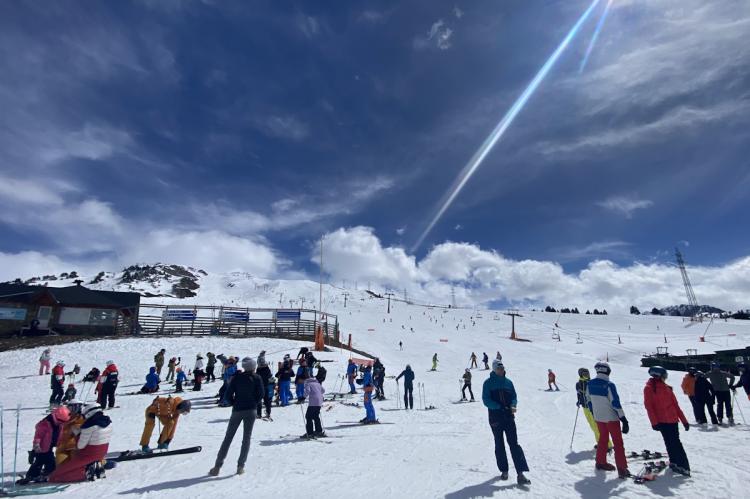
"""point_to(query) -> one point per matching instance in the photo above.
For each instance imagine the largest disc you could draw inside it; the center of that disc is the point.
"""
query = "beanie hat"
(497, 364)
(61, 414)
(184, 406)
(249, 364)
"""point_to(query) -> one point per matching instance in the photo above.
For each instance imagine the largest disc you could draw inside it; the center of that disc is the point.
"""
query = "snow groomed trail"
(446, 452)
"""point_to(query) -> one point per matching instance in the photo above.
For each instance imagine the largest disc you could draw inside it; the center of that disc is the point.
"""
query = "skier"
(230, 369)
(400, 345)
(109, 379)
(473, 360)
(198, 363)
(66, 444)
(198, 376)
(314, 391)
(57, 379)
(744, 381)
(284, 376)
(368, 388)
(721, 387)
(46, 437)
(604, 404)
(181, 378)
(467, 384)
(44, 361)
(210, 364)
(486, 361)
(434, 362)
(310, 360)
(70, 393)
(92, 446)
(245, 391)
(152, 382)
(551, 381)
(351, 373)
(688, 388)
(171, 366)
(159, 361)
(499, 396)
(664, 413)
(704, 399)
(378, 377)
(498, 356)
(299, 381)
(265, 375)
(408, 375)
(168, 410)
(583, 378)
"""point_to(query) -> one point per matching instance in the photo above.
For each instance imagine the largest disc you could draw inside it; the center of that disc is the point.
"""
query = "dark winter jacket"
(181, 377)
(408, 375)
(704, 392)
(744, 381)
(159, 359)
(499, 396)
(310, 360)
(285, 374)
(211, 362)
(57, 378)
(245, 391)
(110, 376)
(264, 373)
(719, 379)
(581, 393)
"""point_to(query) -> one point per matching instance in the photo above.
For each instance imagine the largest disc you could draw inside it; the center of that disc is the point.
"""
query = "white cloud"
(309, 25)
(625, 205)
(486, 276)
(458, 12)
(284, 127)
(401, 230)
(596, 250)
(439, 36)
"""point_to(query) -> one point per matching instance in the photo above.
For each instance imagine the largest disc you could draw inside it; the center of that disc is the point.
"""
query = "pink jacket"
(314, 392)
(43, 434)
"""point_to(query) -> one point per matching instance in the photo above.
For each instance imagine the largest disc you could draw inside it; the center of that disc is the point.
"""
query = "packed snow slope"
(446, 452)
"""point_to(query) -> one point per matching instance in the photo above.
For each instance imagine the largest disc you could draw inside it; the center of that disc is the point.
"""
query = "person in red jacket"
(665, 413)
(57, 381)
(108, 380)
(46, 437)
(551, 381)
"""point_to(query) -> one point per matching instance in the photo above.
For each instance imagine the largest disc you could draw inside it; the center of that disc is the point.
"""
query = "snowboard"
(132, 455)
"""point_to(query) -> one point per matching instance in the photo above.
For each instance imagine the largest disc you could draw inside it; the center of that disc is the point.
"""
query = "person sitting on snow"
(66, 445)
(46, 436)
(70, 393)
(152, 382)
(168, 410)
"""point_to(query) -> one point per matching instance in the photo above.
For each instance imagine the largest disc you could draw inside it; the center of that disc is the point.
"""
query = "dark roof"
(69, 296)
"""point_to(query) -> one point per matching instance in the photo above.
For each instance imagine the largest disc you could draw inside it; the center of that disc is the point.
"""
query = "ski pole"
(398, 396)
(737, 404)
(301, 410)
(2, 450)
(15, 451)
(575, 423)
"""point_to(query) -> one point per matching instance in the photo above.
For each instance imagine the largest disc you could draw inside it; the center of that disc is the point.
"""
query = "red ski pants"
(607, 429)
(74, 469)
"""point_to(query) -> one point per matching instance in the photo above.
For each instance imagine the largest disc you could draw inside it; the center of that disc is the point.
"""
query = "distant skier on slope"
(551, 381)
(604, 404)
(44, 361)
(664, 413)
(467, 384)
(408, 375)
(499, 396)
(473, 360)
(583, 378)
(486, 361)
(168, 410)
(434, 362)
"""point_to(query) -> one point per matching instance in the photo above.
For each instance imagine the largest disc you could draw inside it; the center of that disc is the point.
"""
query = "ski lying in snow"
(650, 471)
(32, 489)
(132, 455)
(350, 404)
(463, 401)
(360, 423)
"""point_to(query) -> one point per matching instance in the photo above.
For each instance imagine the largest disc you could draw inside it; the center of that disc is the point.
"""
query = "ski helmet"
(584, 373)
(602, 368)
(90, 410)
(110, 363)
(74, 406)
(184, 407)
(658, 372)
(497, 364)
(467, 369)
(60, 363)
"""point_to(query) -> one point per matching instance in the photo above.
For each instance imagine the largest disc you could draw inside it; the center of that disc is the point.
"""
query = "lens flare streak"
(595, 37)
(501, 127)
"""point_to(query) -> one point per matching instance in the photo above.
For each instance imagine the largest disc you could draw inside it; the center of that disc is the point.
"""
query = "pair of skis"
(133, 455)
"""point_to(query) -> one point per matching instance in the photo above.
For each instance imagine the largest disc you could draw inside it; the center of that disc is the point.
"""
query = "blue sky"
(231, 135)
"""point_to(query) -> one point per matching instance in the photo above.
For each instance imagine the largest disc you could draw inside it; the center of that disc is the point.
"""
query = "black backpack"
(321, 376)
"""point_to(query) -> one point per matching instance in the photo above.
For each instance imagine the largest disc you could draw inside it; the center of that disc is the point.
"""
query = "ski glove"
(686, 426)
(513, 410)
(625, 426)
(656, 427)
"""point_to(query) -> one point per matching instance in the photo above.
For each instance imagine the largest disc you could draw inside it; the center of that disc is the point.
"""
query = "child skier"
(110, 378)
(198, 376)
(551, 381)
(46, 436)
(473, 360)
(70, 393)
(168, 410)
(486, 360)
(604, 404)
(57, 379)
(179, 380)
(664, 413)
(44, 361)
(152, 382)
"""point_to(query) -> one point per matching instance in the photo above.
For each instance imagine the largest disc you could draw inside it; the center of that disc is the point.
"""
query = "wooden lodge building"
(38, 310)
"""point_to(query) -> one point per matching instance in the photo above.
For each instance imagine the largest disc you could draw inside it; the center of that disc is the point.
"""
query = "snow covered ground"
(447, 452)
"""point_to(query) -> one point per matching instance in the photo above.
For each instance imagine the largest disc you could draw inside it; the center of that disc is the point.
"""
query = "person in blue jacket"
(351, 374)
(408, 375)
(284, 376)
(152, 382)
(230, 369)
(368, 387)
(179, 380)
(499, 396)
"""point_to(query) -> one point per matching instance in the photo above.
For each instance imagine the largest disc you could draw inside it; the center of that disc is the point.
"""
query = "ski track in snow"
(447, 452)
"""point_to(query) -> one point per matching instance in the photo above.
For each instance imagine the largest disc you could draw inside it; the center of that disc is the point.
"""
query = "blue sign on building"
(287, 315)
(232, 316)
(12, 314)
(179, 315)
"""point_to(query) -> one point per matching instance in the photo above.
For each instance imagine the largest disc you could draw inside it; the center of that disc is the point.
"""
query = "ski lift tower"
(513, 314)
(692, 301)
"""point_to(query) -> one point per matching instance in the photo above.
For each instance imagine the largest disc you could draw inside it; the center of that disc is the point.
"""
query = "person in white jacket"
(92, 446)
(44, 361)
(198, 363)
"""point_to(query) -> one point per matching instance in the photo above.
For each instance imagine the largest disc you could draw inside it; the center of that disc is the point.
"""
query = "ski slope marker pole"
(15, 451)
(2, 450)
(575, 423)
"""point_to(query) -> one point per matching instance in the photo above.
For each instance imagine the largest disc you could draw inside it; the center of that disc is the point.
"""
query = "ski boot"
(146, 449)
(623, 473)
(163, 446)
(240, 470)
(214, 471)
(605, 467)
(504, 475)
(319, 434)
(522, 480)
